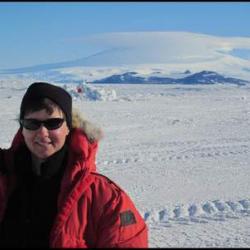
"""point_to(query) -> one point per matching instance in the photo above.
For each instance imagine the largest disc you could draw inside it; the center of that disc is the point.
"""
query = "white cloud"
(166, 47)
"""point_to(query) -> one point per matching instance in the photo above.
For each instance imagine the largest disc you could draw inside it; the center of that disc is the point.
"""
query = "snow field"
(182, 153)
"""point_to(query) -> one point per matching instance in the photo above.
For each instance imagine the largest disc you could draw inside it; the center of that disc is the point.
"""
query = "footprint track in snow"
(205, 152)
(181, 150)
(216, 210)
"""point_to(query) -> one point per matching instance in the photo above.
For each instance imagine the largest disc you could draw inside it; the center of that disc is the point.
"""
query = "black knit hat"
(57, 94)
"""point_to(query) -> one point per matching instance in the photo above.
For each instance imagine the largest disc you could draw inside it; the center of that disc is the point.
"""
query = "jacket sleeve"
(121, 225)
(3, 182)
(6, 170)
(1, 162)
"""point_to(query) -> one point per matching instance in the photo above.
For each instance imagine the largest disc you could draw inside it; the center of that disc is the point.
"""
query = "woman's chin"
(43, 155)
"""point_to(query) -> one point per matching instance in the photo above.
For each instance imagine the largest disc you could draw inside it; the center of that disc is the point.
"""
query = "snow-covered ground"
(181, 152)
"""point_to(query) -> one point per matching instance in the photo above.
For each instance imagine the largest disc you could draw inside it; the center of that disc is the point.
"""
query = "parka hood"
(92, 132)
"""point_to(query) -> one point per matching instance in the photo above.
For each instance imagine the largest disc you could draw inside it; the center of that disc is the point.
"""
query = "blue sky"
(37, 33)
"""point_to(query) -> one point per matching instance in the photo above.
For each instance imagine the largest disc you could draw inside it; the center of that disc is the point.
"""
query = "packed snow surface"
(181, 152)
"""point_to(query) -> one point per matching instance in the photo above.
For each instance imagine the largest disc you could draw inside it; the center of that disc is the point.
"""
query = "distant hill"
(203, 77)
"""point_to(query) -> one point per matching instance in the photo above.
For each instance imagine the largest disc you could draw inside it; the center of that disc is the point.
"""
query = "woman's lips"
(43, 143)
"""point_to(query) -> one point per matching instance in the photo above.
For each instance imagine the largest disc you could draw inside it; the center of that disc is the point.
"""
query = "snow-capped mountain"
(203, 77)
(152, 56)
(210, 77)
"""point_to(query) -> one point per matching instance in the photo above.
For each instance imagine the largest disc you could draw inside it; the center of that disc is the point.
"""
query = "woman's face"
(43, 142)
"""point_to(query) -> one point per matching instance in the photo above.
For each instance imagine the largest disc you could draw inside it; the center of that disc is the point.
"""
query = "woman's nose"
(43, 130)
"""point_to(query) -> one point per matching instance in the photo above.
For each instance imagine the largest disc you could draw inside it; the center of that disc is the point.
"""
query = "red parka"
(92, 210)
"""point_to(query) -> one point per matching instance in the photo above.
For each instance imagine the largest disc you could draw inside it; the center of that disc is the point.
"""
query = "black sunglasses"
(34, 124)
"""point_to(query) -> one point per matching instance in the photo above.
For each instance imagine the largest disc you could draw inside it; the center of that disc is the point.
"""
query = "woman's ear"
(68, 130)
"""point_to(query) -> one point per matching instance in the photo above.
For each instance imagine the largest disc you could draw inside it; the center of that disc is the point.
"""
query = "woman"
(50, 193)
